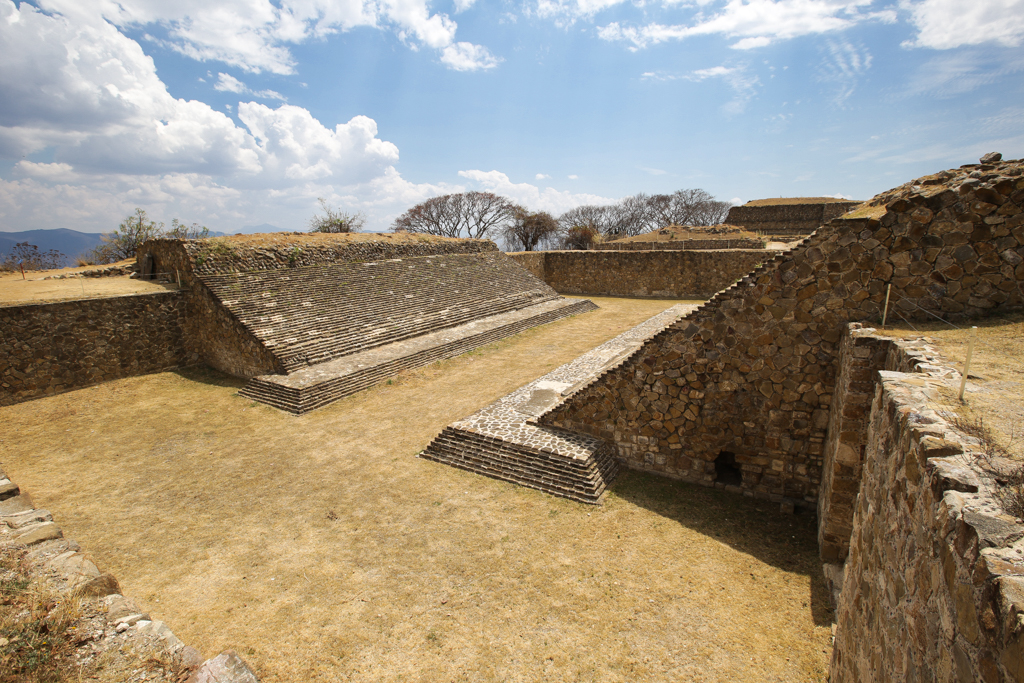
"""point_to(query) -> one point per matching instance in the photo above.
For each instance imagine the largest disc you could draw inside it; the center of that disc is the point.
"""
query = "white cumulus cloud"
(755, 23)
(468, 57)
(228, 83)
(945, 24)
(532, 197)
(86, 95)
(257, 35)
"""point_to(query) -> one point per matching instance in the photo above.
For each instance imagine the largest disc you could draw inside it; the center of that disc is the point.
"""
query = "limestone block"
(226, 667)
(38, 533)
(18, 520)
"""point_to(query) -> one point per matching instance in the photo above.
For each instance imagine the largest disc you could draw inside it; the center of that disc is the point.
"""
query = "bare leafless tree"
(470, 214)
(527, 230)
(631, 216)
(588, 215)
(687, 207)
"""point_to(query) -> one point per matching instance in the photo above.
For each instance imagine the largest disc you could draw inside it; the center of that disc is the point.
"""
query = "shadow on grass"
(756, 527)
(207, 375)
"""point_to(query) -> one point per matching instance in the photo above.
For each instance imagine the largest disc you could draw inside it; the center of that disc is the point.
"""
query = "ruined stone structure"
(794, 217)
(313, 318)
(666, 274)
(307, 318)
(687, 237)
(770, 389)
(933, 588)
(738, 393)
(503, 440)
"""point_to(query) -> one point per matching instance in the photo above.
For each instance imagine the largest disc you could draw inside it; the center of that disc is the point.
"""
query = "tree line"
(487, 215)
(478, 215)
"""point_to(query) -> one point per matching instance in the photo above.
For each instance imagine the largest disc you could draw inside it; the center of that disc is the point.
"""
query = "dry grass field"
(322, 549)
(995, 386)
(33, 289)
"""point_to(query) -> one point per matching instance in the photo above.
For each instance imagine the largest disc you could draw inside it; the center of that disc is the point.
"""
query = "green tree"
(125, 241)
(187, 232)
(335, 220)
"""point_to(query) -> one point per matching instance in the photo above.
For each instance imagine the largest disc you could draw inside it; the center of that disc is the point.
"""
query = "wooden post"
(967, 362)
(177, 274)
(885, 311)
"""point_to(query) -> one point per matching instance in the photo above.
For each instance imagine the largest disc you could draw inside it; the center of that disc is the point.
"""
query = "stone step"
(584, 481)
(316, 386)
(312, 314)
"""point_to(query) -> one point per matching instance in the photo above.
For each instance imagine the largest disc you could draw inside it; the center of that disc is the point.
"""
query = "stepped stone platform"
(315, 386)
(312, 314)
(311, 318)
(503, 440)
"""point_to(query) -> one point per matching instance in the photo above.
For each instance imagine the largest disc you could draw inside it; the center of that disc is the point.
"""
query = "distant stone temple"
(788, 217)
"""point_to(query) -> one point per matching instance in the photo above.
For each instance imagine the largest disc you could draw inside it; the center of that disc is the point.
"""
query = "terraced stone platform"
(504, 442)
(312, 314)
(315, 386)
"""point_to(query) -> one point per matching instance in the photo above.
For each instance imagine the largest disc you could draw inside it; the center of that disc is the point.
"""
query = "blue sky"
(243, 112)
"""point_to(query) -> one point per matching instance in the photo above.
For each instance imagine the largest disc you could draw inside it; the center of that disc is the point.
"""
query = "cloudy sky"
(234, 113)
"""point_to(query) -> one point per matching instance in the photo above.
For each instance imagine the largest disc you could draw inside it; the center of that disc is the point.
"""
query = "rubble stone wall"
(933, 588)
(211, 332)
(687, 245)
(861, 355)
(533, 261)
(223, 255)
(48, 349)
(666, 274)
(752, 373)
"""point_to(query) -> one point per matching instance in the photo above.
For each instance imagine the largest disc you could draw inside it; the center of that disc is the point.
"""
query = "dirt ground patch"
(995, 385)
(322, 549)
(33, 289)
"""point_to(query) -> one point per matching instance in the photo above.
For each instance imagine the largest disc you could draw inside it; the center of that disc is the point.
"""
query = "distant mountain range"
(72, 243)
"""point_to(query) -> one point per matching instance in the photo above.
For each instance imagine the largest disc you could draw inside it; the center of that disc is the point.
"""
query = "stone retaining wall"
(750, 376)
(933, 589)
(861, 355)
(664, 274)
(47, 349)
(213, 334)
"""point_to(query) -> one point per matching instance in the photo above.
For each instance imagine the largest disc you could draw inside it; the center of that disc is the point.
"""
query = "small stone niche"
(727, 472)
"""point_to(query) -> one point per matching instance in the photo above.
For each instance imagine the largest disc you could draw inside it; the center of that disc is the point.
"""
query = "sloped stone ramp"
(338, 328)
(503, 441)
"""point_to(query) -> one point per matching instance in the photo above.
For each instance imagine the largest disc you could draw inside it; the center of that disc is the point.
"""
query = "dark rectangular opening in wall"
(726, 469)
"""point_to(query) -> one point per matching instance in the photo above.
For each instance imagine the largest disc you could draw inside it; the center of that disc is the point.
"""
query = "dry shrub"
(976, 427)
(1011, 493)
(35, 643)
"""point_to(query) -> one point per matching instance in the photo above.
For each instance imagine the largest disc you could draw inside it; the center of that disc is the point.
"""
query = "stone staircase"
(581, 479)
(315, 386)
(504, 441)
(313, 314)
